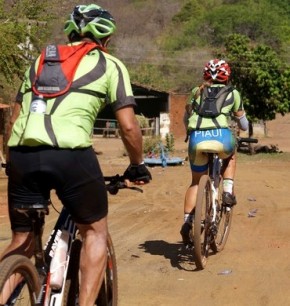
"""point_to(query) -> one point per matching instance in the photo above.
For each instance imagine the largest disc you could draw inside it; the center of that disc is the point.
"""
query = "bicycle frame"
(66, 223)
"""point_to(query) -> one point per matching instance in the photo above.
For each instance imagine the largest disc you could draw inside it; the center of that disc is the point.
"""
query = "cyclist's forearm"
(242, 122)
(133, 143)
(131, 134)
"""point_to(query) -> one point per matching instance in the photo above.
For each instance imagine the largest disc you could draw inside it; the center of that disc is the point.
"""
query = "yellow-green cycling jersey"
(232, 103)
(67, 120)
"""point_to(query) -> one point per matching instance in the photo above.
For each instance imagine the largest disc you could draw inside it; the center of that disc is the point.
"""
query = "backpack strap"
(194, 104)
(221, 97)
(224, 90)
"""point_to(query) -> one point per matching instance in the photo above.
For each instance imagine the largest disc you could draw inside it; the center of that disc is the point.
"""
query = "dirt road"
(154, 269)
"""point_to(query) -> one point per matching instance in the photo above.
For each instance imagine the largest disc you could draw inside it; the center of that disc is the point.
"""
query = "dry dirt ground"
(154, 269)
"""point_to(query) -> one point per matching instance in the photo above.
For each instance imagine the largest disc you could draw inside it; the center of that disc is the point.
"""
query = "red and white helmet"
(217, 70)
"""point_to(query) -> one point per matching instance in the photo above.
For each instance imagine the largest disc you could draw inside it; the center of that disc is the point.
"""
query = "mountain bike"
(212, 219)
(31, 283)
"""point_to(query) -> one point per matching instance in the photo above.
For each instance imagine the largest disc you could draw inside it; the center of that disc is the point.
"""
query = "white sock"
(188, 218)
(228, 185)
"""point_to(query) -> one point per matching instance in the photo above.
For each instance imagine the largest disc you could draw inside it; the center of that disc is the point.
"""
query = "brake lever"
(136, 188)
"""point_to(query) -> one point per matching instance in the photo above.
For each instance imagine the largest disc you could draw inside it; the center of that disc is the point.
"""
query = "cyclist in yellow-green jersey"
(50, 145)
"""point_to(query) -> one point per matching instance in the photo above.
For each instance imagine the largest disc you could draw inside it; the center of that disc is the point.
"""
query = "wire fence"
(110, 128)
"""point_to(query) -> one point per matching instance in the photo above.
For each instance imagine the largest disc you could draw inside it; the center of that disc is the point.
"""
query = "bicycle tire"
(224, 221)
(108, 295)
(27, 291)
(202, 237)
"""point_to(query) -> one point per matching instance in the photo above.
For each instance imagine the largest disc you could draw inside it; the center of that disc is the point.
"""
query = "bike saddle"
(35, 207)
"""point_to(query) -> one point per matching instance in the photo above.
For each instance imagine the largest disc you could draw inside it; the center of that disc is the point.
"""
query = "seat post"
(38, 227)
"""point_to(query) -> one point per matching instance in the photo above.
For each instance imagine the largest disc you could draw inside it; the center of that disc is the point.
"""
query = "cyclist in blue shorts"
(50, 145)
(211, 133)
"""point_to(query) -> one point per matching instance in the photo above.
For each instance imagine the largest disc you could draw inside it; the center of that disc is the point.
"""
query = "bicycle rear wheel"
(202, 222)
(108, 295)
(19, 276)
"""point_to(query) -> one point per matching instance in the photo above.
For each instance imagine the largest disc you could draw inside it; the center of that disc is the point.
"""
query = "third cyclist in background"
(207, 117)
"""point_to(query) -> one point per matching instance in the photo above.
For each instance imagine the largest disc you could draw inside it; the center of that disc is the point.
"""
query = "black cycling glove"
(7, 167)
(137, 173)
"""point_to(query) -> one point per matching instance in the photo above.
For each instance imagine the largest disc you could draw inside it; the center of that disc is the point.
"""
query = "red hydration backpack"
(57, 67)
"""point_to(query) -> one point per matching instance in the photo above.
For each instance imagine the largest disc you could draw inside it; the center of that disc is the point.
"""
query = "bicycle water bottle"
(58, 262)
(38, 105)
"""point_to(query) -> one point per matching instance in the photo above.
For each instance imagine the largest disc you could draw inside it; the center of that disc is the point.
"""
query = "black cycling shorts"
(75, 175)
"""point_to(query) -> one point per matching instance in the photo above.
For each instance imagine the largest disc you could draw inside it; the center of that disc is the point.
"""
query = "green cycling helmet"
(90, 19)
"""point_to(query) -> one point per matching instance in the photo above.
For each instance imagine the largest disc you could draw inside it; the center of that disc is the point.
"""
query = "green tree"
(261, 76)
(262, 21)
(24, 28)
(207, 22)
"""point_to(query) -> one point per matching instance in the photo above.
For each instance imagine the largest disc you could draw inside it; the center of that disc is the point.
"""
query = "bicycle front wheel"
(108, 294)
(19, 281)
(202, 237)
(224, 220)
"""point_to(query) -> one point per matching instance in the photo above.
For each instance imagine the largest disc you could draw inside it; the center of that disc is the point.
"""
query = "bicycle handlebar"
(116, 183)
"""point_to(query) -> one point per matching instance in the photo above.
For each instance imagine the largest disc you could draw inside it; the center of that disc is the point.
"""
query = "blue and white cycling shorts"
(220, 141)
